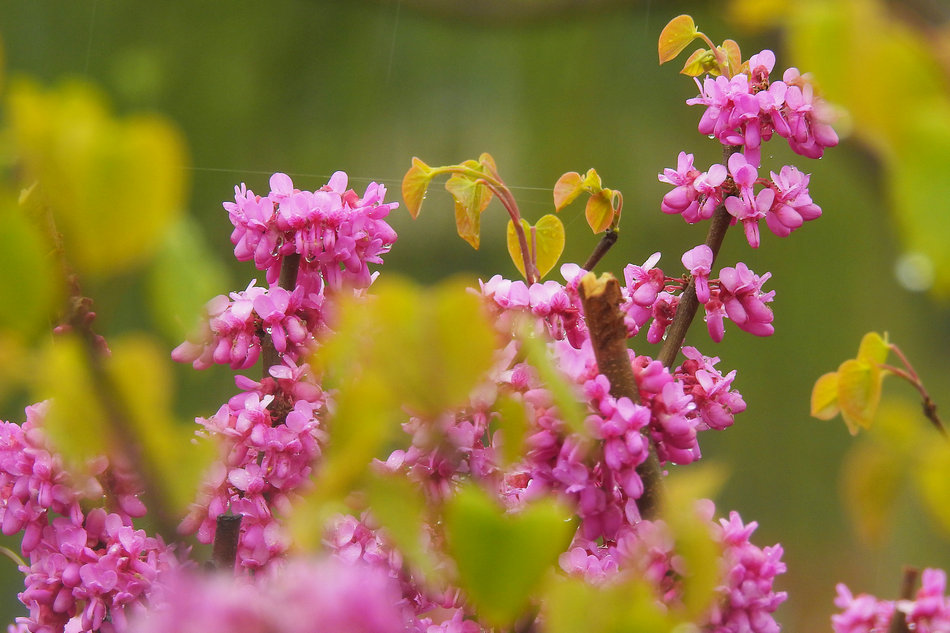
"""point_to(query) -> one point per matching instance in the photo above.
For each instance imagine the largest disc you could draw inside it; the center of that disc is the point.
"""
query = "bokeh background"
(549, 86)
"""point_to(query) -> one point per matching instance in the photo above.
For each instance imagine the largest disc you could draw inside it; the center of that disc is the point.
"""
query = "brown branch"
(604, 245)
(226, 534)
(600, 298)
(908, 582)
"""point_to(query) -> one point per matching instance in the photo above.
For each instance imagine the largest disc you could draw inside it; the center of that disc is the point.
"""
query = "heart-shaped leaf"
(676, 36)
(549, 243)
(874, 348)
(824, 397)
(514, 245)
(566, 189)
(600, 211)
(859, 392)
(702, 61)
(502, 558)
(414, 186)
(113, 185)
(471, 198)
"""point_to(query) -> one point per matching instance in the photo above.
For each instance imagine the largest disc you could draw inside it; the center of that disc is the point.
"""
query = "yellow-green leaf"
(676, 36)
(549, 242)
(512, 424)
(733, 55)
(572, 605)
(824, 397)
(932, 476)
(181, 278)
(874, 348)
(488, 164)
(414, 185)
(567, 188)
(113, 185)
(502, 558)
(859, 392)
(402, 511)
(702, 61)
(168, 452)
(600, 211)
(871, 482)
(76, 422)
(471, 198)
(31, 283)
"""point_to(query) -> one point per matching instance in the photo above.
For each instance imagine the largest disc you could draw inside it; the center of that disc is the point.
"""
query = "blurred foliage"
(893, 78)
(259, 88)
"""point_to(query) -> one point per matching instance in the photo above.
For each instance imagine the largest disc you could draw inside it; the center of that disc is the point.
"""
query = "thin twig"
(604, 245)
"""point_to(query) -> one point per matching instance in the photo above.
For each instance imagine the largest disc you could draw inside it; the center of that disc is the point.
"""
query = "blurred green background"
(545, 86)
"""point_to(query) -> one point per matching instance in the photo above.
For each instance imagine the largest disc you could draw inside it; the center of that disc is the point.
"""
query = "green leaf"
(548, 243)
(427, 348)
(572, 605)
(566, 189)
(676, 36)
(169, 452)
(695, 547)
(512, 423)
(402, 511)
(824, 397)
(76, 422)
(113, 185)
(502, 558)
(31, 283)
(859, 392)
(182, 278)
(414, 186)
(600, 211)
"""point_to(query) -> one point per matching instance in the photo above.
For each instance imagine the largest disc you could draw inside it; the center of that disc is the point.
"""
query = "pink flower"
(744, 302)
(698, 261)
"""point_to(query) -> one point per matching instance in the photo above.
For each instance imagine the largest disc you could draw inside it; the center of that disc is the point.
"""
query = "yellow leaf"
(414, 185)
(600, 211)
(676, 36)
(114, 185)
(566, 189)
(871, 483)
(824, 397)
(548, 243)
(874, 348)
(859, 392)
(933, 482)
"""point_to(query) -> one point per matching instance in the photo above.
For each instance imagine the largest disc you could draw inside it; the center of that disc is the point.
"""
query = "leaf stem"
(688, 303)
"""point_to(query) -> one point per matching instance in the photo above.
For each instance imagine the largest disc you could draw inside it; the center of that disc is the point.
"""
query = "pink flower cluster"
(85, 568)
(737, 294)
(928, 612)
(747, 109)
(270, 437)
(782, 200)
(646, 550)
(326, 595)
(743, 111)
(336, 233)
(235, 323)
